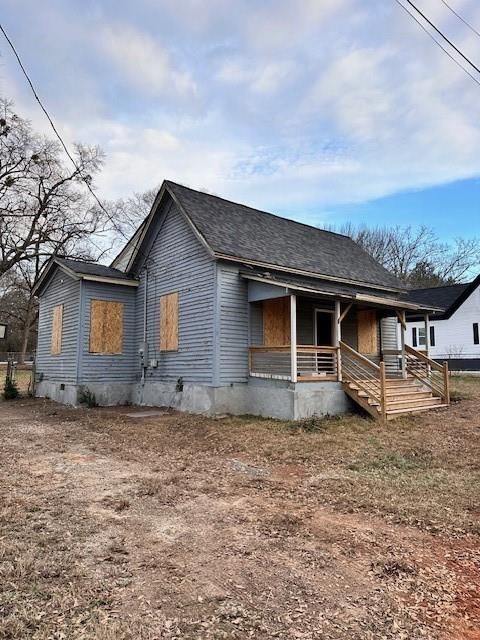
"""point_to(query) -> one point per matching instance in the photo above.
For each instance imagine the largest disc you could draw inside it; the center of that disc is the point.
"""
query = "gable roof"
(448, 297)
(82, 270)
(234, 231)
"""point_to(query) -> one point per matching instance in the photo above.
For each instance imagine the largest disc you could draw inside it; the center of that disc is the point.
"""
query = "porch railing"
(313, 362)
(270, 362)
(365, 374)
(430, 373)
(317, 363)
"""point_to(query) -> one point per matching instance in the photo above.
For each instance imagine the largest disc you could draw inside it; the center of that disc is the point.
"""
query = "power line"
(473, 65)
(118, 228)
(465, 22)
(438, 43)
(52, 124)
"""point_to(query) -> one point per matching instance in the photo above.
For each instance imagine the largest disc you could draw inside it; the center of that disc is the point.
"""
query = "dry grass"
(186, 527)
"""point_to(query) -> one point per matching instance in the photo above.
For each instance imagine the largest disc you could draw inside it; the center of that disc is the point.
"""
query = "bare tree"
(416, 255)
(45, 210)
(44, 204)
(128, 214)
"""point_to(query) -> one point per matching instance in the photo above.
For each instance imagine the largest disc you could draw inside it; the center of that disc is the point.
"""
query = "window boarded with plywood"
(367, 331)
(276, 322)
(169, 322)
(106, 326)
(57, 327)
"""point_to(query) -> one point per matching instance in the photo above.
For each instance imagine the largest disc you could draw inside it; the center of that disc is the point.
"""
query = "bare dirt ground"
(175, 526)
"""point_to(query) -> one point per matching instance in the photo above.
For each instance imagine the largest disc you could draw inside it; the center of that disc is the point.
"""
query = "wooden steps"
(401, 396)
(424, 387)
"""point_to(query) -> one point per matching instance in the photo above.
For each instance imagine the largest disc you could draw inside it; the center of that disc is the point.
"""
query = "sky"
(324, 111)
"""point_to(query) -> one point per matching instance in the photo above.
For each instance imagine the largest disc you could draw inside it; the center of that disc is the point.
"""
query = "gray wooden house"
(216, 307)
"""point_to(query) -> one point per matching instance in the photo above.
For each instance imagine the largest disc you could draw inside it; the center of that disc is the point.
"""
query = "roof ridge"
(267, 213)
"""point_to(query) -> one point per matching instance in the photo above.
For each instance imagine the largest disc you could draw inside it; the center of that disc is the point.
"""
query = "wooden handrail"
(383, 391)
(366, 375)
(300, 347)
(422, 356)
(265, 348)
(439, 387)
(312, 347)
(446, 384)
(359, 356)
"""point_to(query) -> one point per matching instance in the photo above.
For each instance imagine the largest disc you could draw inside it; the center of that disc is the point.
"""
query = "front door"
(323, 328)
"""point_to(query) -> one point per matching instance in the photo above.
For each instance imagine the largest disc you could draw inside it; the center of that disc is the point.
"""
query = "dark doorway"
(323, 328)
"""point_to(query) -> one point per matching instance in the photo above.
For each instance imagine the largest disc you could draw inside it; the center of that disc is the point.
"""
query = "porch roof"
(361, 295)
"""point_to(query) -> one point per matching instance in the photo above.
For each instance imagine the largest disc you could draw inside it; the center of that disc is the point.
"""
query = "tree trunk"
(27, 327)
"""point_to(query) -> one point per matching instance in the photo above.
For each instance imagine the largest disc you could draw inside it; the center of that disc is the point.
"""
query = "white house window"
(421, 337)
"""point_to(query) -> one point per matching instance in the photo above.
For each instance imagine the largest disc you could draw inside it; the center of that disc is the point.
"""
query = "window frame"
(422, 337)
(57, 340)
(166, 301)
(104, 352)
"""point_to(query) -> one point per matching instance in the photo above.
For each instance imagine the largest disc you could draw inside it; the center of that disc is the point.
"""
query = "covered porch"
(303, 336)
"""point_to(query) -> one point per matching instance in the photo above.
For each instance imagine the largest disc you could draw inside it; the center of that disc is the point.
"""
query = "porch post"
(403, 325)
(293, 337)
(427, 333)
(337, 338)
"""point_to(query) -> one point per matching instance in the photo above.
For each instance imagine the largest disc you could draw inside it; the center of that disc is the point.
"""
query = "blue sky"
(324, 111)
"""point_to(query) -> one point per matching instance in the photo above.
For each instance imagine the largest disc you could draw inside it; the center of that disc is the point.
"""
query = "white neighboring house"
(454, 334)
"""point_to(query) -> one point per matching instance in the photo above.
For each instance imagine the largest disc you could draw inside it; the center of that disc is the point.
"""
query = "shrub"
(10, 389)
(86, 397)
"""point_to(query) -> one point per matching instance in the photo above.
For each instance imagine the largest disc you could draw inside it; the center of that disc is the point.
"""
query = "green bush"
(86, 397)
(10, 389)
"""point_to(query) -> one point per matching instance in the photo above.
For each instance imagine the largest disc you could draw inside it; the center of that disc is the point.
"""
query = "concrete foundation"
(195, 398)
(268, 398)
(295, 401)
(60, 392)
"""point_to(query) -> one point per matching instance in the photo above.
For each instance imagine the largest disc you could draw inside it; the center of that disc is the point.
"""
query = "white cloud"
(258, 77)
(144, 62)
(301, 104)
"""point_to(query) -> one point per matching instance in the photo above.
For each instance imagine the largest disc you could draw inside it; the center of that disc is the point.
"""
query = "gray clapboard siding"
(179, 262)
(234, 322)
(105, 367)
(389, 341)
(256, 324)
(62, 289)
(388, 330)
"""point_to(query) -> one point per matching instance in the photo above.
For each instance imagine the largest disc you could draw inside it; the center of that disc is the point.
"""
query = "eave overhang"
(373, 300)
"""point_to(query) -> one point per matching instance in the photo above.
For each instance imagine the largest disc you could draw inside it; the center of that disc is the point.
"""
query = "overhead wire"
(439, 44)
(461, 18)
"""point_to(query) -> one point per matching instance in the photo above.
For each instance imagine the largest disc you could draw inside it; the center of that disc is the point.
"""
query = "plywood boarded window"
(276, 322)
(57, 326)
(169, 322)
(367, 331)
(106, 326)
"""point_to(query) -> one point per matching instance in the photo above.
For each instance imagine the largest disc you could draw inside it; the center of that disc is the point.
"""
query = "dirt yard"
(172, 526)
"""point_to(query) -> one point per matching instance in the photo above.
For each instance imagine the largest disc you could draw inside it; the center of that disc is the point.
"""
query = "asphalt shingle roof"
(93, 269)
(242, 232)
(442, 297)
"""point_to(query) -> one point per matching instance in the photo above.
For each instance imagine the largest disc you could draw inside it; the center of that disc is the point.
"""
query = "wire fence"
(16, 356)
(22, 375)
